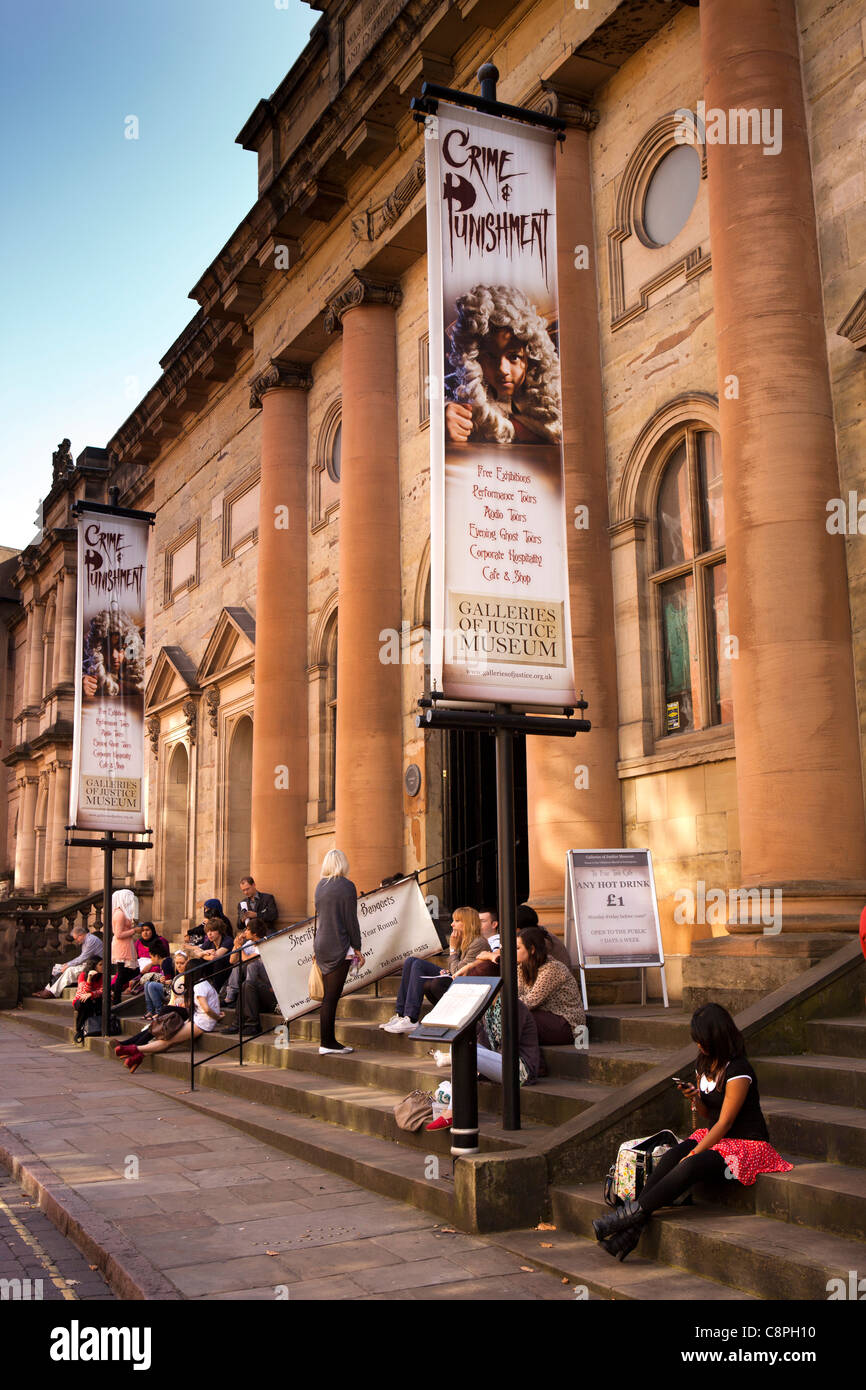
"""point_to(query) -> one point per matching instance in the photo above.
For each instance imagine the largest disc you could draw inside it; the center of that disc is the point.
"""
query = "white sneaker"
(395, 1018)
(402, 1025)
(328, 1051)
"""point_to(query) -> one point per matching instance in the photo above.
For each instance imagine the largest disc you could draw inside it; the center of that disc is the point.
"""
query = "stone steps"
(759, 1255)
(833, 1133)
(832, 1080)
(583, 1261)
(835, 1036)
(651, 1027)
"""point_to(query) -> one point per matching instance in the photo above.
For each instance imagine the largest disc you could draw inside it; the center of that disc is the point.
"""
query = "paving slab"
(205, 1212)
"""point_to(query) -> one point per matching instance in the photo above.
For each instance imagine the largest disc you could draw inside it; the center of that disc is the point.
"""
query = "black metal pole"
(464, 1097)
(507, 927)
(189, 1000)
(488, 76)
(107, 877)
(241, 1008)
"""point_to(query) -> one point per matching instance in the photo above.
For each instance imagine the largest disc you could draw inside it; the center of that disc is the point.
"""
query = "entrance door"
(469, 810)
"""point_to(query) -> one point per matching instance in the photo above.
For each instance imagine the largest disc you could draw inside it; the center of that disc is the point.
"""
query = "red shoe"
(441, 1123)
(125, 1050)
(133, 1061)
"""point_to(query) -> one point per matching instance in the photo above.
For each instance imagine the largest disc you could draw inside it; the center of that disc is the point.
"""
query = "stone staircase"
(338, 1111)
(784, 1238)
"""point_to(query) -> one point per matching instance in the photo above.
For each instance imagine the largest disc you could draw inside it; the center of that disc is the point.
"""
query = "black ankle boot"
(621, 1243)
(618, 1220)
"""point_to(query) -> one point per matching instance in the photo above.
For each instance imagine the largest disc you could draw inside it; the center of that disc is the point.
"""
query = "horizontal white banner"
(395, 924)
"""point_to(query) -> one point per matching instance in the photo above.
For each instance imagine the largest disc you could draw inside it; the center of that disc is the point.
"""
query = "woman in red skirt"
(734, 1145)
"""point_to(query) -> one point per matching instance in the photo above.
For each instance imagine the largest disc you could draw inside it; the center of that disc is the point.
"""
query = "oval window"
(671, 194)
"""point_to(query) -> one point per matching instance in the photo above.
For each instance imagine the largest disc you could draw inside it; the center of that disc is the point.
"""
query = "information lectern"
(453, 1022)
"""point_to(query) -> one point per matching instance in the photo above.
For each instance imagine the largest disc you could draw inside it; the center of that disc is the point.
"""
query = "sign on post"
(501, 625)
(611, 913)
(395, 924)
(107, 785)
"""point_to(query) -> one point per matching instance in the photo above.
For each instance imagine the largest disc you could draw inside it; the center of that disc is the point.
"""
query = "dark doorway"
(469, 813)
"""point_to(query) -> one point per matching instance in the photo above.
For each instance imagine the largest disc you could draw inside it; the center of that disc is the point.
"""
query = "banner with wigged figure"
(395, 924)
(499, 572)
(107, 787)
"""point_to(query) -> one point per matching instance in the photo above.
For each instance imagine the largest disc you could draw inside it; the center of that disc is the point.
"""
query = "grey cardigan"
(337, 922)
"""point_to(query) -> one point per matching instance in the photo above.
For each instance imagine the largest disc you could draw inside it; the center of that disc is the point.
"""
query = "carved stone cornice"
(853, 326)
(371, 223)
(551, 100)
(359, 288)
(288, 375)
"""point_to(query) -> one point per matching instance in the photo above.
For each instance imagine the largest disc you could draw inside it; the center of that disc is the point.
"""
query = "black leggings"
(333, 983)
(670, 1178)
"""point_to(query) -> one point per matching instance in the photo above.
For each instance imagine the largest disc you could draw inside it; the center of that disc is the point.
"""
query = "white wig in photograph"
(335, 864)
(97, 658)
(482, 311)
(126, 900)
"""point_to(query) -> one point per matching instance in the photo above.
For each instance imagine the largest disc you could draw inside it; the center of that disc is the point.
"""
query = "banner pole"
(508, 925)
(107, 875)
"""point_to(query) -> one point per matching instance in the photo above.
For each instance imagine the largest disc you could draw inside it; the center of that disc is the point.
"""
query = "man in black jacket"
(255, 906)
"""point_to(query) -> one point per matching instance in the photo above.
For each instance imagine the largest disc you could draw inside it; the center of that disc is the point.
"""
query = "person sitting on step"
(420, 977)
(200, 1000)
(259, 997)
(734, 1145)
(528, 917)
(88, 999)
(548, 989)
(89, 947)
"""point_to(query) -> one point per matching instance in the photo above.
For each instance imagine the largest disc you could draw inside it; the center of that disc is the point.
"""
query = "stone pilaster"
(369, 794)
(25, 841)
(278, 857)
(798, 766)
(573, 791)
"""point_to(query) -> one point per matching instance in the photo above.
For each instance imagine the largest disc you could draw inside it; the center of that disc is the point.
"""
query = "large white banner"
(394, 924)
(107, 788)
(499, 572)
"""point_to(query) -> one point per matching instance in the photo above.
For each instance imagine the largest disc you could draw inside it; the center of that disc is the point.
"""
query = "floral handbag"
(635, 1160)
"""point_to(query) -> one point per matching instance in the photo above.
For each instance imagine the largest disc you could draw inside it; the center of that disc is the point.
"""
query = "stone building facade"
(713, 322)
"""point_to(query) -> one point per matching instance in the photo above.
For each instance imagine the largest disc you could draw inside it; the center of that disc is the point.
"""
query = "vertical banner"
(108, 747)
(499, 568)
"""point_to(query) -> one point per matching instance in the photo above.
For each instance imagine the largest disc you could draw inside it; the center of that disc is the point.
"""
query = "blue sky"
(102, 237)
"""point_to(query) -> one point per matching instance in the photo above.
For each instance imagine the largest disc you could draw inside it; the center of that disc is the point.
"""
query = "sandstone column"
(581, 809)
(798, 763)
(278, 855)
(25, 842)
(64, 632)
(55, 864)
(33, 677)
(369, 800)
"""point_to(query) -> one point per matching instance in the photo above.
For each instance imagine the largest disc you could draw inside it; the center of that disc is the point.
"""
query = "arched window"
(239, 804)
(689, 579)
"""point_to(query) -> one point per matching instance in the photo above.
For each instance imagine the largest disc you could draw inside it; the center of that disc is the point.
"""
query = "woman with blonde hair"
(420, 977)
(337, 941)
